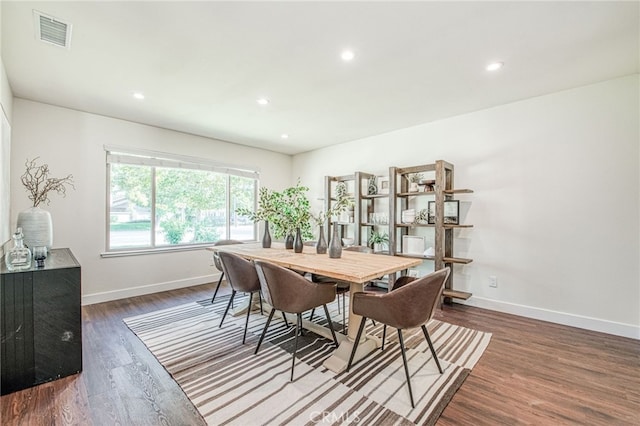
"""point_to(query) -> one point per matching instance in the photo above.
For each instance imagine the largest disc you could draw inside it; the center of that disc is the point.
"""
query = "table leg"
(337, 362)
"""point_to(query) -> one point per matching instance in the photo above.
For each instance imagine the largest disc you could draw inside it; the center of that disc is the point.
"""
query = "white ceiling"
(202, 65)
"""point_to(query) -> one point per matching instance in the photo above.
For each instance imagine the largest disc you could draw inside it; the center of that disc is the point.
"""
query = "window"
(158, 201)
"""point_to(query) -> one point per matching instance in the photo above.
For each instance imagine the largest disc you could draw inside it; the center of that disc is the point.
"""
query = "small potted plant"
(422, 217)
(266, 211)
(378, 241)
(414, 178)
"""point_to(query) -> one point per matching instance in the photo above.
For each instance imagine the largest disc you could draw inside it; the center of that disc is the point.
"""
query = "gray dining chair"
(288, 291)
(218, 265)
(409, 306)
(241, 276)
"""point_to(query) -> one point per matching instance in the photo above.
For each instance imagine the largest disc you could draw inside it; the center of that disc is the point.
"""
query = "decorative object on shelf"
(430, 252)
(266, 238)
(335, 247)
(412, 244)
(35, 222)
(414, 178)
(422, 217)
(426, 185)
(408, 216)
(372, 187)
(346, 242)
(288, 242)
(383, 185)
(451, 212)
(298, 245)
(431, 215)
(378, 241)
(18, 257)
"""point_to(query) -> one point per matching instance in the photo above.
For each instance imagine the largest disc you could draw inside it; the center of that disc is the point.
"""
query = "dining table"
(352, 267)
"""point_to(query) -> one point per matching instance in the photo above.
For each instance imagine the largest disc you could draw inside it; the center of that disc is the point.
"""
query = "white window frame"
(153, 159)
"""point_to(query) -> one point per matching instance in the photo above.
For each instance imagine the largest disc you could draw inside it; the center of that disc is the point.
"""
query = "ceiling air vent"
(52, 30)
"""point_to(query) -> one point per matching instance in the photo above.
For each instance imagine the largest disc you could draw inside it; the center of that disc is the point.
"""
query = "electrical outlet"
(493, 281)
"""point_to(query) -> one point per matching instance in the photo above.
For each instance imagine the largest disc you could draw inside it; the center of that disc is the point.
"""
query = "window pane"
(242, 192)
(190, 206)
(130, 206)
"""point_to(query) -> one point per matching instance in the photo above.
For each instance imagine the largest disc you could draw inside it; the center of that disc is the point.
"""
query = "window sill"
(158, 250)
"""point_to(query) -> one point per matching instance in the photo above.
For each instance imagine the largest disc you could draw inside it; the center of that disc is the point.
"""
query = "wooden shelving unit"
(399, 196)
(443, 190)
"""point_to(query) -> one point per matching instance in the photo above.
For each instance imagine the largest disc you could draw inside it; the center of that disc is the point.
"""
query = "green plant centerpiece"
(342, 204)
(380, 239)
(293, 212)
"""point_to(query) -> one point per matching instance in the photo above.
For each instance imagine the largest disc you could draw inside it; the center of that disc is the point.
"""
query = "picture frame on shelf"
(431, 208)
(383, 184)
(451, 212)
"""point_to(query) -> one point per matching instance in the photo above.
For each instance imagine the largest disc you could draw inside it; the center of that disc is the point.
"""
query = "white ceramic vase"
(37, 227)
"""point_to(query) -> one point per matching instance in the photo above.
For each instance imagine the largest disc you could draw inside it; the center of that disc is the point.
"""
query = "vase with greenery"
(36, 222)
(321, 243)
(378, 241)
(293, 212)
(342, 204)
(414, 178)
(266, 211)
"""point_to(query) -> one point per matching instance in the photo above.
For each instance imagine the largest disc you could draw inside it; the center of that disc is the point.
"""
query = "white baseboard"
(107, 296)
(588, 323)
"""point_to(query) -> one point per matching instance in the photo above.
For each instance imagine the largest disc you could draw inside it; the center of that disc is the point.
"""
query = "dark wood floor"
(533, 372)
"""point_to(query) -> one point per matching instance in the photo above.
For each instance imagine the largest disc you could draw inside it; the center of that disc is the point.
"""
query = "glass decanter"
(19, 257)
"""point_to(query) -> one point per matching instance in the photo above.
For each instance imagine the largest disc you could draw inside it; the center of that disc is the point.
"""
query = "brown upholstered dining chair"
(409, 306)
(289, 292)
(216, 262)
(241, 276)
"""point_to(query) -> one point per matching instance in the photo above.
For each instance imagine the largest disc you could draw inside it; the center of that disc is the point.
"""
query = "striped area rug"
(228, 384)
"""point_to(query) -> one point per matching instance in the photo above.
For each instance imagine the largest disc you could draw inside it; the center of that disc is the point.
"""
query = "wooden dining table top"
(352, 266)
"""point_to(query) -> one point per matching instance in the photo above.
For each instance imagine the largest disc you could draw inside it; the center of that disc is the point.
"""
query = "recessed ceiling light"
(138, 95)
(495, 66)
(284, 136)
(347, 55)
(263, 101)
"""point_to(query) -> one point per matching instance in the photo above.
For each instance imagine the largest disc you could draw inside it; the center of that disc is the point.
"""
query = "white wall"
(72, 142)
(556, 202)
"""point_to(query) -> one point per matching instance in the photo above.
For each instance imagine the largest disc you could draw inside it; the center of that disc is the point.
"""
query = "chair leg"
(333, 333)
(355, 344)
(233, 293)
(384, 336)
(217, 287)
(284, 317)
(344, 316)
(259, 298)
(295, 345)
(311, 315)
(246, 322)
(264, 331)
(433, 350)
(406, 367)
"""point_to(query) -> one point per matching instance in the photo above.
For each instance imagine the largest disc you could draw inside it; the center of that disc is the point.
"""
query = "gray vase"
(321, 245)
(335, 245)
(37, 227)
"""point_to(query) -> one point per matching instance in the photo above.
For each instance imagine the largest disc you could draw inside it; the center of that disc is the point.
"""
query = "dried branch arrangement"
(38, 183)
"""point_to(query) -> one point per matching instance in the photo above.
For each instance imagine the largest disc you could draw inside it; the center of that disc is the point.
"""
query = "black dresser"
(41, 322)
